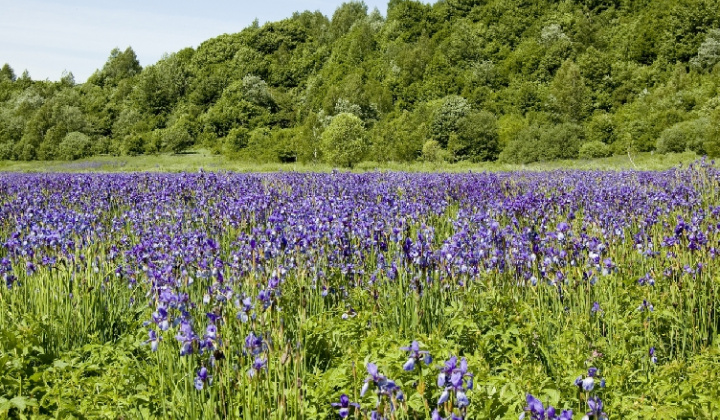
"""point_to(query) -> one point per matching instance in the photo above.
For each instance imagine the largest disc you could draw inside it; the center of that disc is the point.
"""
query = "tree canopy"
(517, 80)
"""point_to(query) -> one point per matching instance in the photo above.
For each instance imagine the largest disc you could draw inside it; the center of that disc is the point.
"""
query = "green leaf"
(416, 402)
(21, 403)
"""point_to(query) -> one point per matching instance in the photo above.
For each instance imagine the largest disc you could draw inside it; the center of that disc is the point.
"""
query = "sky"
(47, 38)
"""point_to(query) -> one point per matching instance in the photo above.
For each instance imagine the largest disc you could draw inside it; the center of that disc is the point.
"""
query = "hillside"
(459, 80)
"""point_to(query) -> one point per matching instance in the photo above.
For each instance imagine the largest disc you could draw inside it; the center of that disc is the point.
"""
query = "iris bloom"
(154, 340)
(201, 378)
(537, 411)
(344, 405)
(384, 386)
(415, 354)
(595, 413)
(258, 365)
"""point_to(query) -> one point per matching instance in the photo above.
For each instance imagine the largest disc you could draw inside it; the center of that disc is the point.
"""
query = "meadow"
(563, 294)
(199, 158)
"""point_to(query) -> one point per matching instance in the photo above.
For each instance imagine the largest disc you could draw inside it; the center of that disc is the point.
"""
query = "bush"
(6, 151)
(477, 138)
(344, 141)
(236, 140)
(432, 152)
(594, 149)
(74, 146)
(176, 139)
(538, 143)
(133, 145)
(685, 135)
(600, 128)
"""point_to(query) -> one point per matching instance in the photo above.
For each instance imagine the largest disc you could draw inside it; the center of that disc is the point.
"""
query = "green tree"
(344, 141)
(120, 65)
(569, 91)
(477, 137)
(74, 146)
(446, 118)
(346, 15)
(709, 52)
(7, 73)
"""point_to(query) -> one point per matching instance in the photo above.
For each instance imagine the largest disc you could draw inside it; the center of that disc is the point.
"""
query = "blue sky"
(48, 37)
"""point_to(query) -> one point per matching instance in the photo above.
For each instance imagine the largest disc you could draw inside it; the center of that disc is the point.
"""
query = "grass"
(194, 161)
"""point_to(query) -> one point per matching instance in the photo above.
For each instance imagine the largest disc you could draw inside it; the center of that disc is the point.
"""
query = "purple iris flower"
(186, 337)
(258, 365)
(160, 317)
(653, 358)
(384, 386)
(344, 405)
(595, 405)
(646, 280)
(415, 354)
(537, 411)
(210, 340)
(455, 377)
(246, 306)
(645, 305)
(154, 340)
(201, 378)
(254, 344)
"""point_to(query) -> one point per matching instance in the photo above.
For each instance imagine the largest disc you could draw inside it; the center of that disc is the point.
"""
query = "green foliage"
(538, 143)
(625, 72)
(432, 152)
(594, 149)
(476, 138)
(7, 73)
(447, 117)
(74, 146)
(709, 52)
(344, 141)
(120, 65)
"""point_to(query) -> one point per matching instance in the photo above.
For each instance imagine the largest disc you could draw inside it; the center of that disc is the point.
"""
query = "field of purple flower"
(549, 295)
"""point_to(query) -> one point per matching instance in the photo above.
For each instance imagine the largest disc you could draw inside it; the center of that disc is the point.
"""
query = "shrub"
(6, 151)
(74, 146)
(594, 149)
(432, 152)
(477, 137)
(344, 141)
(684, 135)
(538, 143)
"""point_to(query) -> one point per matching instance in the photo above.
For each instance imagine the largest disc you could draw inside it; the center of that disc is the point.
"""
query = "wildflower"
(210, 340)
(415, 354)
(651, 353)
(344, 405)
(384, 386)
(258, 365)
(646, 279)
(186, 337)
(587, 384)
(154, 340)
(645, 305)
(537, 411)
(254, 344)
(160, 318)
(595, 413)
(201, 378)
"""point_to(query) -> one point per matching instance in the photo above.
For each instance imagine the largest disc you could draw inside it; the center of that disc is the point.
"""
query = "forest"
(517, 81)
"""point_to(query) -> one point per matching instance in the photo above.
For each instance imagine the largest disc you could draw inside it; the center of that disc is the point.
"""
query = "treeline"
(515, 80)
